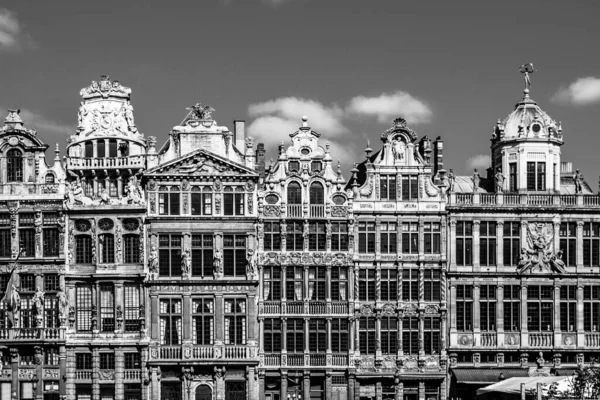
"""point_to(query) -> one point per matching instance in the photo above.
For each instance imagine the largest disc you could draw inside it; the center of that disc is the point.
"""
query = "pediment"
(201, 162)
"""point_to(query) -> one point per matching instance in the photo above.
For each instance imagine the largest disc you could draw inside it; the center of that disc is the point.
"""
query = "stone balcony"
(220, 353)
(317, 308)
(93, 163)
(522, 200)
(305, 360)
(497, 341)
(32, 334)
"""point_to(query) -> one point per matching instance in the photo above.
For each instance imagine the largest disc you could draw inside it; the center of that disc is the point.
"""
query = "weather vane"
(527, 69)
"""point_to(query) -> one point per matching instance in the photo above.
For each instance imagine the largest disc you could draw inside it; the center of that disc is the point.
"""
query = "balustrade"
(132, 374)
(488, 340)
(110, 162)
(487, 199)
(317, 211)
(541, 339)
(83, 374)
(592, 340)
(294, 211)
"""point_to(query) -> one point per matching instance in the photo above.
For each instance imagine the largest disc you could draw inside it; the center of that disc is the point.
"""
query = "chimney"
(260, 158)
(239, 134)
(438, 156)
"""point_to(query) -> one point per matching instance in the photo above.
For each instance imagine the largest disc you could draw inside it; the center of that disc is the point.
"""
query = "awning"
(479, 376)
(513, 385)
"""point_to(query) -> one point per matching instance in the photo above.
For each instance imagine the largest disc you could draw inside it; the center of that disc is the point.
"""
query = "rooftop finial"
(304, 121)
(527, 69)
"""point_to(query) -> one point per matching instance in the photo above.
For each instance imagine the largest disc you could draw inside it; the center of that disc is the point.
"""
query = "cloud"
(583, 91)
(388, 106)
(272, 3)
(12, 35)
(481, 162)
(41, 123)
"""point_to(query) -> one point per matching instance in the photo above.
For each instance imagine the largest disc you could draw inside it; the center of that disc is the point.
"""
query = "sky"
(351, 66)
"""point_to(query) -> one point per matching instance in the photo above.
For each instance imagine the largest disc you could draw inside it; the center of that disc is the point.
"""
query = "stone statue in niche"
(38, 306)
(398, 148)
(251, 269)
(218, 264)
(499, 181)
(186, 270)
(578, 181)
(134, 192)
(451, 180)
(63, 306)
(153, 263)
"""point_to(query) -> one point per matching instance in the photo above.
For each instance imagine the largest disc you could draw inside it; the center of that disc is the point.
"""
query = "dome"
(527, 121)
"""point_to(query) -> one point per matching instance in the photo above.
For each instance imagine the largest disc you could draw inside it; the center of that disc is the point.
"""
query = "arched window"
(50, 179)
(294, 193)
(203, 392)
(89, 149)
(14, 165)
(316, 193)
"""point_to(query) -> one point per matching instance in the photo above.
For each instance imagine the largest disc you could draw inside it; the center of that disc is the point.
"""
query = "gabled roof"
(200, 162)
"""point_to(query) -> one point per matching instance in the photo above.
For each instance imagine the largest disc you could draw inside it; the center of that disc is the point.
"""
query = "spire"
(368, 150)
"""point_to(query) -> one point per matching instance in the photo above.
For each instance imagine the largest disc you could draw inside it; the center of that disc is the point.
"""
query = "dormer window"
(316, 166)
(536, 176)
(294, 166)
(536, 128)
(305, 151)
(49, 179)
(14, 165)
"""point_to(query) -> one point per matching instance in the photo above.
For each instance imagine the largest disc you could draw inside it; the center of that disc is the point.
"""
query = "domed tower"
(526, 147)
(107, 148)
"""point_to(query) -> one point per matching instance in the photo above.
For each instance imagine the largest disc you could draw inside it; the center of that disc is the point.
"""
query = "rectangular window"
(131, 253)
(464, 308)
(234, 255)
(201, 203)
(512, 308)
(410, 188)
(512, 243)
(235, 321)
(233, 203)
(432, 282)
(294, 236)
(410, 335)
(27, 234)
(512, 177)
(272, 335)
(107, 248)
(295, 335)
(83, 361)
(51, 311)
(339, 283)
(170, 321)
(591, 244)
(168, 203)
(27, 282)
(51, 283)
(388, 238)
(339, 335)
(487, 308)
(83, 297)
(51, 356)
(50, 237)
(410, 285)
(540, 309)
(5, 236)
(591, 308)
(317, 335)
(487, 243)
(432, 239)
(83, 249)
(272, 238)
(366, 237)
(389, 335)
(316, 283)
(389, 285)
(316, 236)
(367, 337)
(432, 334)
(107, 360)
(568, 243)
(202, 255)
(568, 306)
(339, 236)
(169, 255)
(410, 238)
(107, 308)
(133, 361)
(536, 176)
(294, 283)
(464, 243)
(387, 187)
(366, 285)
(203, 321)
(132, 308)
(272, 283)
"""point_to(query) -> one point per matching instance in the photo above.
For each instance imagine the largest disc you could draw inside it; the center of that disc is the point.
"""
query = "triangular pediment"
(200, 162)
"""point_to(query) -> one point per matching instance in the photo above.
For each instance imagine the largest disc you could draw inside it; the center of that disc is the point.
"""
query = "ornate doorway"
(203, 392)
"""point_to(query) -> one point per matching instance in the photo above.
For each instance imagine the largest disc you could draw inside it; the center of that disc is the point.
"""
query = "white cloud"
(42, 124)
(272, 130)
(480, 162)
(388, 106)
(323, 119)
(12, 35)
(581, 92)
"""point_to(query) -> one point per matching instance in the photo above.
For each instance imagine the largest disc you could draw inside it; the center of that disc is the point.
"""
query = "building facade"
(105, 211)
(524, 253)
(202, 252)
(399, 304)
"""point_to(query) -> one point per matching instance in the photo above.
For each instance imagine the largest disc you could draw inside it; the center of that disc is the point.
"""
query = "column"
(220, 383)
(452, 244)
(119, 374)
(62, 364)
(119, 328)
(95, 373)
(356, 389)
(443, 390)
(400, 390)
(378, 390)
(328, 283)
(306, 385)
(580, 332)
(154, 385)
(350, 287)
(524, 333)
(399, 341)
(377, 235)
(261, 333)
(421, 236)
(253, 389)
(283, 283)
(421, 390)
(328, 391)
(329, 351)
(500, 244)
(378, 334)
(579, 243)
(187, 318)
(219, 321)
(500, 315)
(155, 328)
(476, 266)
(261, 385)
(476, 310)
(306, 341)
(556, 323)
(452, 307)
(444, 329)
(284, 384)
(283, 334)
(351, 323)
(252, 319)
(351, 378)
(421, 334)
